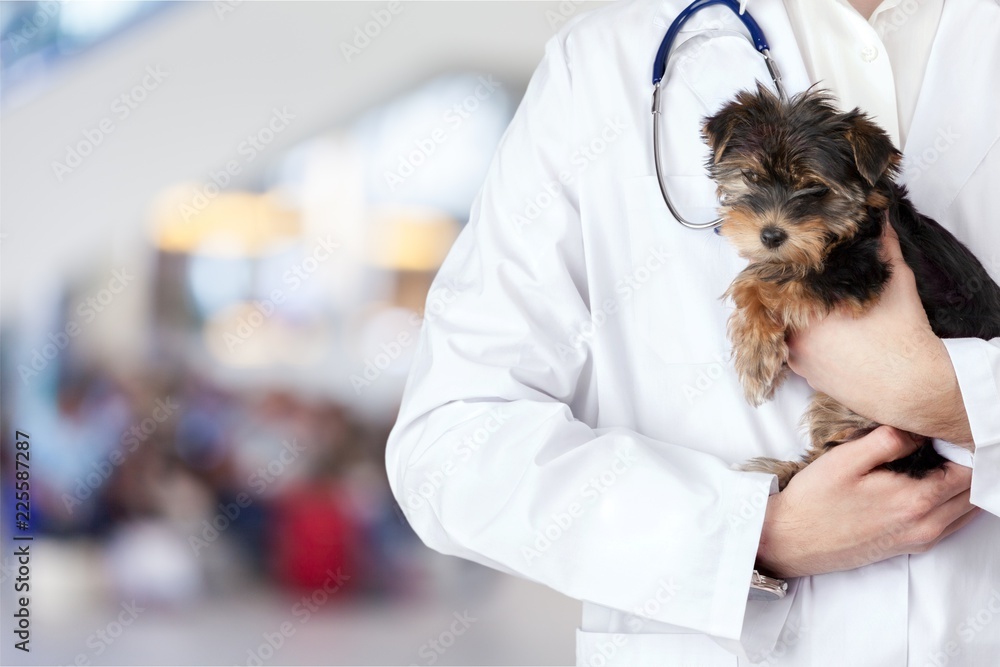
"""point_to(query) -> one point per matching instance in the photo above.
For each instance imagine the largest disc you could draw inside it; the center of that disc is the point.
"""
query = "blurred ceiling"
(211, 78)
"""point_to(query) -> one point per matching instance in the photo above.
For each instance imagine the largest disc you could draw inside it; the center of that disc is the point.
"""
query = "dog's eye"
(751, 176)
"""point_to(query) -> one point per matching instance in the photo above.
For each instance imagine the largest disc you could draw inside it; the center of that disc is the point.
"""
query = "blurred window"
(433, 145)
(36, 37)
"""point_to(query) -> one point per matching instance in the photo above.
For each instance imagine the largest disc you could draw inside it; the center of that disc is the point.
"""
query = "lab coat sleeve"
(977, 366)
(487, 458)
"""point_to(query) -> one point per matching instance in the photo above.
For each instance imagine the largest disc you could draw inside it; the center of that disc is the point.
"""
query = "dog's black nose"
(772, 237)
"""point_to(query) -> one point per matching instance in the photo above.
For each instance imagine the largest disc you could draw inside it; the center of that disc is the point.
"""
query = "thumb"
(890, 244)
(881, 446)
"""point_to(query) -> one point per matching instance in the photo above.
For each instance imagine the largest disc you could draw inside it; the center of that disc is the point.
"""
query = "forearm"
(888, 364)
(606, 515)
(925, 396)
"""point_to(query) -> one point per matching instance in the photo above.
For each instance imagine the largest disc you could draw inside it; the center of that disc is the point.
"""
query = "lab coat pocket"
(678, 274)
(650, 650)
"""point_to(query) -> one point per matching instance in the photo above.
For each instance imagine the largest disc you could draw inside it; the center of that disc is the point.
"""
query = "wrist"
(768, 561)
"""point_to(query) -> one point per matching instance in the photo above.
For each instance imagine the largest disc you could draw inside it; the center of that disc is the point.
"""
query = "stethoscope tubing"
(659, 74)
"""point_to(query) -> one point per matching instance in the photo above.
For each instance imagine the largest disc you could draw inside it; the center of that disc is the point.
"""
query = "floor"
(474, 617)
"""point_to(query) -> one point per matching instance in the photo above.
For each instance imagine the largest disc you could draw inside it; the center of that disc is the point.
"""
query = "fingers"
(942, 522)
(939, 507)
(902, 274)
(947, 513)
(954, 480)
(959, 522)
(889, 232)
(798, 349)
(890, 244)
(881, 446)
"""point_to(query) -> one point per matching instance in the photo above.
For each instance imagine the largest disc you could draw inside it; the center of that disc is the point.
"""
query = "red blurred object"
(313, 539)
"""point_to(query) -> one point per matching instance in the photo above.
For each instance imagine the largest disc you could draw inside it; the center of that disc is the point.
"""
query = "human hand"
(844, 511)
(886, 364)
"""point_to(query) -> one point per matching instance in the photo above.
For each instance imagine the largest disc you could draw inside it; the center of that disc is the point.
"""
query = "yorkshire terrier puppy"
(805, 191)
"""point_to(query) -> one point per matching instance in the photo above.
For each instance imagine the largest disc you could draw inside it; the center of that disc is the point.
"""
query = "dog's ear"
(718, 130)
(874, 154)
(747, 109)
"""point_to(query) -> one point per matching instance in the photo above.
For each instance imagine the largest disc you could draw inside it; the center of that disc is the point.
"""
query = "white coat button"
(869, 53)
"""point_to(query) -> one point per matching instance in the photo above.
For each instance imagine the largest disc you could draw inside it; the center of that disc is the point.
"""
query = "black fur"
(763, 149)
(853, 268)
(959, 296)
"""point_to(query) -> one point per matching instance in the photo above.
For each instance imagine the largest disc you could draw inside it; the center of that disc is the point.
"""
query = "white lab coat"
(572, 416)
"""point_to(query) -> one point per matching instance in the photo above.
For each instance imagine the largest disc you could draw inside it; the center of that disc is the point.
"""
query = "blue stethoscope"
(660, 69)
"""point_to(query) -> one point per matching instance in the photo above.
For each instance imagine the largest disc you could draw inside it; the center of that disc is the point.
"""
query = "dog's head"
(795, 177)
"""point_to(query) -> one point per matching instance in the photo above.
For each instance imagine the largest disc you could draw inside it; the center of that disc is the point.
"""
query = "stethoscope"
(660, 69)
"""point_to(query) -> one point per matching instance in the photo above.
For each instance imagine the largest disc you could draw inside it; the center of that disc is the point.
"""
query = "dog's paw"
(831, 423)
(757, 395)
(762, 369)
(785, 470)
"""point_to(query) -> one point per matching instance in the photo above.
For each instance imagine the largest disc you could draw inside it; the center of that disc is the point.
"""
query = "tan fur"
(769, 178)
(765, 312)
(830, 424)
(785, 470)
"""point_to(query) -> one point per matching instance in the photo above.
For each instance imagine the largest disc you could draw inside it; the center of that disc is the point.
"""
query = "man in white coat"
(572, 416)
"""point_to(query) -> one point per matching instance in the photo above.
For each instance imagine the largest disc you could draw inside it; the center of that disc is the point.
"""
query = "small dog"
(805, 191)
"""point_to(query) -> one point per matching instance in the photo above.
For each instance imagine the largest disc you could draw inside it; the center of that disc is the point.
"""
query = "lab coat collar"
(773, 20)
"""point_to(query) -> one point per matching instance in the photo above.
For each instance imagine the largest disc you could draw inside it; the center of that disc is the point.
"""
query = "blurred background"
(218, 225)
